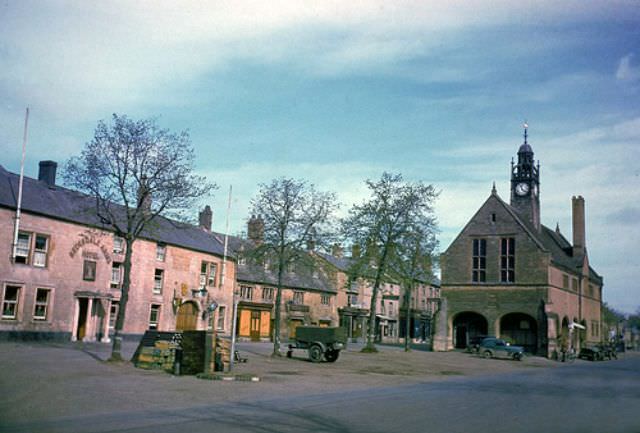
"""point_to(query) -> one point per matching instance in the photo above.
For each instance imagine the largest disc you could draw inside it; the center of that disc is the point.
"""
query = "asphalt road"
(602, 397)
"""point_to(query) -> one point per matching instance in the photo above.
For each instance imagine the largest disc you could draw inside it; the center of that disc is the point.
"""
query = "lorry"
(320, 342)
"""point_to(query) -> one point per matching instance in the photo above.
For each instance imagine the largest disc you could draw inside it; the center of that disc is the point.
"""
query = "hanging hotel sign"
(90, 237)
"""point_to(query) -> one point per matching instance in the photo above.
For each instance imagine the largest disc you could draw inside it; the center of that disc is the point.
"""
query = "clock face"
(522, 188)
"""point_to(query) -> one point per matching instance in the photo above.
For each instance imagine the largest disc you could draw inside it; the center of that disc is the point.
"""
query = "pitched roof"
(72, 206)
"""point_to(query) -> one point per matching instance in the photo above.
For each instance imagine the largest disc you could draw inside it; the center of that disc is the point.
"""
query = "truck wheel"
(331, 355)
(487, 354)
(315, 353)
(517, 357)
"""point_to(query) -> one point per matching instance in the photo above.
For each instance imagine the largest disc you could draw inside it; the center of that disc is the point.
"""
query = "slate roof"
(553, 242)
(72, 206)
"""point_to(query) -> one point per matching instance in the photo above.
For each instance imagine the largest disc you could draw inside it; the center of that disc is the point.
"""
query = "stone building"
(508, 275)
(64, 282)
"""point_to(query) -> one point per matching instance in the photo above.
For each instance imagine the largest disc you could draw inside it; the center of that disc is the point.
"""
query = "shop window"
(89, 270)
(10, 302)
(41, 305)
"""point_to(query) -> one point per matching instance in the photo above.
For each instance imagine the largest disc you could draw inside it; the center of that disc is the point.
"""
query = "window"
(267, 294)
(208, 273)
(154, 316)
(116, 275)
(89, 270)
(574, 284)
(118, 245)
(161, 252)
(493, 217)
(352, 300)
(479, 273)
(157, 281)
(595, 328)
(298, 298)
(325, 299)
(41, 246)
(41, 306)
(246, 292)
(24, 249)
(222, 312)
(10, 302)
(565, 281)
(390, 311)
(507, 260)
(113, 314)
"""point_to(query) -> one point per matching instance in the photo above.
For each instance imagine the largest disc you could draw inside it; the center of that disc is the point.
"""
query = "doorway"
(254, 327)
(466, 326)
(187, 317)
(83, 304)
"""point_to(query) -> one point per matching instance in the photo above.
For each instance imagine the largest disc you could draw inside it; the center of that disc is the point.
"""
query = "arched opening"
(520, 329)
(187, 317)
(466, 326)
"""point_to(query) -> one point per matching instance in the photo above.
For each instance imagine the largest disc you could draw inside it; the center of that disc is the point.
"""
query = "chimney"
(579, 241)
(255, 228)
(355, 251)
(336, 251)
(206, 218)
(311, 240)
(47, 172)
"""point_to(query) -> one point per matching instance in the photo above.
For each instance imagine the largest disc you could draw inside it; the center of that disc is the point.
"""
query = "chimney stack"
(255, 228)
(47, 172)
(579, 241)
(355, 251)
(144, 195)
(206, 218)
(336, 251)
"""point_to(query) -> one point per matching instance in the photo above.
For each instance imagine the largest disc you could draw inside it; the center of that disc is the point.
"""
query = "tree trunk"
(276, 321)
(116, 350)
(371, 332)
(407, 319)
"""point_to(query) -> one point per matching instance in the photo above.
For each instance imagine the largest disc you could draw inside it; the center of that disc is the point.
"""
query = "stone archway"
(520, 329)
(187, 317)
(467, 325)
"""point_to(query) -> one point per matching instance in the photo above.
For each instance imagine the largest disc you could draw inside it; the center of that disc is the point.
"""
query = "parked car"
(592, 353)
(474, 342)
(496, 347)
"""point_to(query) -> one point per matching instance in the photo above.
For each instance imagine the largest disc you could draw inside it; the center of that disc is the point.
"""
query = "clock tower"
(525, 184)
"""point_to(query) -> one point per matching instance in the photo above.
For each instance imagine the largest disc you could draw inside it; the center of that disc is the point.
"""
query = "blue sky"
(337, 93)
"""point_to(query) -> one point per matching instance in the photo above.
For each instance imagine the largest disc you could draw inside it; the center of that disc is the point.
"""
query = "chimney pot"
(206, 218)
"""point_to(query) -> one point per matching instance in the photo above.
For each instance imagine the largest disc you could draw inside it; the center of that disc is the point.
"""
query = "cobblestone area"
(44, 380)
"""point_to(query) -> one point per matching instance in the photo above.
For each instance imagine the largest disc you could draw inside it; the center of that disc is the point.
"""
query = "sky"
(337, 92)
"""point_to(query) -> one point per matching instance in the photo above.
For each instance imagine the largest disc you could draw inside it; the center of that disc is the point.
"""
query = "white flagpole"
(19, 204)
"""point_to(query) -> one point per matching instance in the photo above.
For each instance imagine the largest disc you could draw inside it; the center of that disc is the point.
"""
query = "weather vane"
(526, 126)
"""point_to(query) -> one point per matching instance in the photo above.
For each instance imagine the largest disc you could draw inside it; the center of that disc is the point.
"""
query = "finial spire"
(526, 127)
(494, 190)
(557, 227)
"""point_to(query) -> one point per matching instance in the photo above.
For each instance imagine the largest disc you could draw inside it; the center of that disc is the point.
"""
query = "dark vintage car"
(474, 342)
(498, 348)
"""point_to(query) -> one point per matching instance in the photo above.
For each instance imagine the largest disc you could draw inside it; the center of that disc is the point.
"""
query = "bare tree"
(136, 172)
(294, 213)
(379, 223)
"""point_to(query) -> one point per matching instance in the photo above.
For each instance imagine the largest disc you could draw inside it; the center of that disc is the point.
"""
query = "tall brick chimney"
(579, 241)
(144, 195)
(206, 218)
(47, 172)
(255, 228)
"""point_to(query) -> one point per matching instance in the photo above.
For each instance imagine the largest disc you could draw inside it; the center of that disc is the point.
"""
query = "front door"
(254, 330)
(82, 318)
(187, 318)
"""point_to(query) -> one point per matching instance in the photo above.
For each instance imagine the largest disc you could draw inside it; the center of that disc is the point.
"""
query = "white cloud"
(626, 71)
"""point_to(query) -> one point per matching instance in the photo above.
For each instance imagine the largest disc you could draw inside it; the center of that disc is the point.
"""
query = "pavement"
(51, 387)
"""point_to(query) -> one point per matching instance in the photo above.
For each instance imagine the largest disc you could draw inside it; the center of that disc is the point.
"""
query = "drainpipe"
(19, 204)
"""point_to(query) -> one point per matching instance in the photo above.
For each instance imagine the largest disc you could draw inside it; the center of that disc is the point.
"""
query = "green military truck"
(319, 342)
